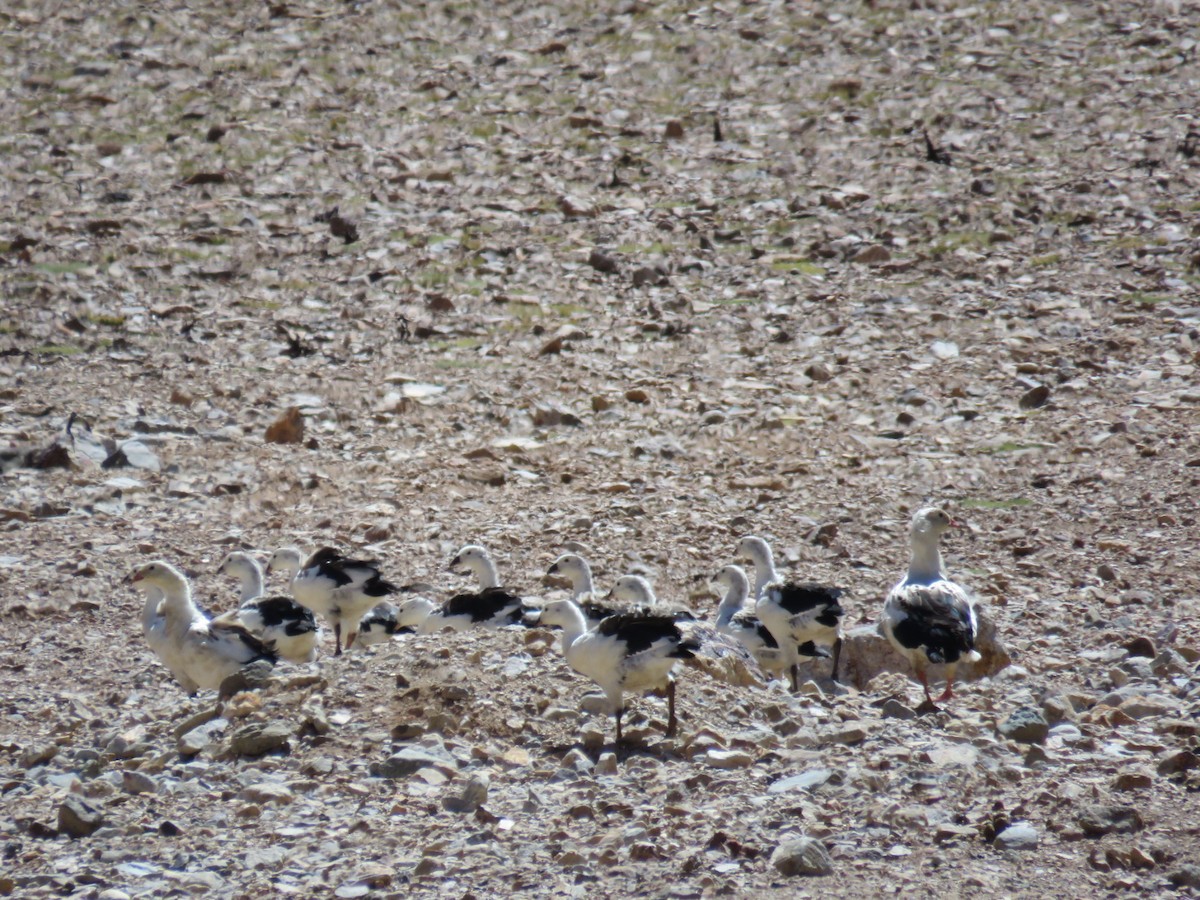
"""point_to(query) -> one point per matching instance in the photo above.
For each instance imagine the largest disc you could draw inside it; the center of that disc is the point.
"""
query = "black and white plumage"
(718, 654)
(623, 653)
(333, 586)
(199, 652)
(490, 607)
(927, 617)
(802, 616)
(576, 569)
(279, 622)
(379, 625)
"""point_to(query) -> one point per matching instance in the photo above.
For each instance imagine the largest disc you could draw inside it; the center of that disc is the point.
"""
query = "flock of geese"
(625, 641)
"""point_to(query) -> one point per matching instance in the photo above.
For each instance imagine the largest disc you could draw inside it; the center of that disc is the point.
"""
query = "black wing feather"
(944, 633)
(800, 597)
(484, 605)
(640, 633)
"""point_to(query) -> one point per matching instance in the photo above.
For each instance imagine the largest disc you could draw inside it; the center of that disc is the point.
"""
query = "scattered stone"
(252, 677)
(1180, 761)
(287, 429)
(78, 818)
(1018, 836)
(1145, 707)
(138, 783)
(1185, 876)
(195, 740)
(894, 709)
(410, 759)
(1097, 821)
(260, 738)
(1141, 646)
(1133, 781)
(39, 754)
(805, 781)
(266, 792)
(802, 856)
(728, 759)
(1026, 725)
(602, 263)
(1035, 398)
(473, 795)
(606, 764)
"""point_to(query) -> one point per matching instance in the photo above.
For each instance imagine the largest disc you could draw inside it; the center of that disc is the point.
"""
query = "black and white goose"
(717, 653)
(798, 614)
(338, 588)
(927, 617)
(199, 652)
(280, 622)
(490, 607)
(623, 653)
(379, 625)
(576, 569)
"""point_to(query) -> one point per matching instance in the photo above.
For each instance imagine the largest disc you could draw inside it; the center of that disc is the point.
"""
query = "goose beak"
(553, 570)
(457, 561)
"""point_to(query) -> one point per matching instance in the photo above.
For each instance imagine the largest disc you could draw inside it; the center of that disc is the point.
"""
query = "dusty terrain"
(555, 305)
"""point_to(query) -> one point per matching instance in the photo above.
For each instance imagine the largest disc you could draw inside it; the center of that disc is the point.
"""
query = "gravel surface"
(636, 280)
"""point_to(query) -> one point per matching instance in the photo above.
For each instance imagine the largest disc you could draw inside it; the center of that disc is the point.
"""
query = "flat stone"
(728, 759)
(1179, 761)
(77, 817)
(1018, 836)
(252, 677)
(408, 760)
(473, 795)
(39, 754)
(952, 755)
(1026, 725)
(1145, 707)
(802, 856)
(259, 738)
(138, 783)
(197, 739)
(848, 734)
(805, 781)
(267, 792)
(894, 709)
(1185, 876)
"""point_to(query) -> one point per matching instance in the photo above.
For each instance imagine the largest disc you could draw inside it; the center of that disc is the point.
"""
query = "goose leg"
(337, 640)
(837, 655)
(671, 721)
(924, 677)
(949, 692)
(618, 715)
(795, 672)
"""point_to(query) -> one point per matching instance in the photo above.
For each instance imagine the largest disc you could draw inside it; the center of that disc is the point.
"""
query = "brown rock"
(78, 818)
(287, 429)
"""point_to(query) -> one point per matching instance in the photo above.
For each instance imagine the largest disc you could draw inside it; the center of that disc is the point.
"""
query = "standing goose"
(746, 628)
(334, 586)
(927, 617)
(279, 622)
(623, 653)
(802, 616)
(199, 652)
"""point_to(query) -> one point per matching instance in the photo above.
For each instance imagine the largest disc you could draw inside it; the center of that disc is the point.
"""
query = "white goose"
(154, 629)
(798, 614)
(623, 653)
(490, 607)
(743, 626)
(340, 589)
(927, 617)
(199, 652)
(575, 569)
(280, 622)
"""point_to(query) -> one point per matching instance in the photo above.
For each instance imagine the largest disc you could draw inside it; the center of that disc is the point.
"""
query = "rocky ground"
(645, 277)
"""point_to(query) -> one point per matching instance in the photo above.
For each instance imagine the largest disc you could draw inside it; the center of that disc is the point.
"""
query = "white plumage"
(280, 622)
(624, 653)
(927, 617)
(200, 653)
(798, 614)
(745, 627)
